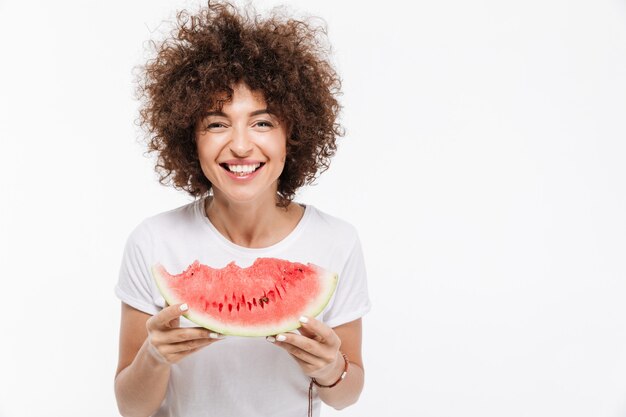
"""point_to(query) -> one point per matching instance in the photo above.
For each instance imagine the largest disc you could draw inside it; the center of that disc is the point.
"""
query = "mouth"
(242, 170)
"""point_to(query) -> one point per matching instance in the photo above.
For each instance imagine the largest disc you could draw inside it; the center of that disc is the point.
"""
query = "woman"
(241, 113)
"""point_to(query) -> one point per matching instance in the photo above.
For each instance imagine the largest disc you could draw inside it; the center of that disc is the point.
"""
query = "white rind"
(328, 281)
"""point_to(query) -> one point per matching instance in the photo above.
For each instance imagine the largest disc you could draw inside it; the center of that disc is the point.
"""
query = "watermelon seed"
(263, 300)
(249, 306)
(278, 292)
(230, 307)
(221, 306)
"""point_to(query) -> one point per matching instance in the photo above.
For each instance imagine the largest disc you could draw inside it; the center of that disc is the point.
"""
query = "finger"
(174, 324)
(304, 357)
(186, 346)
(310, 334)
(324, 352)
(301, 342)
(177, 357)
(166, 317)
(315, 329)
(187, 333)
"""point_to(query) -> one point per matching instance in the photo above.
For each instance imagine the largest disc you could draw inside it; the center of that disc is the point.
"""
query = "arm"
(141, 379)
(317, 351)
(149, 345)
(348, 391)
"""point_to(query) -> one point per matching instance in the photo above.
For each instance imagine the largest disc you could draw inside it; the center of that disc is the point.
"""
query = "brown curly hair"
(218, 47)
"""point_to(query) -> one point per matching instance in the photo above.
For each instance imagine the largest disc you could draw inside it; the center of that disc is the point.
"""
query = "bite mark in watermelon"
(263, 299)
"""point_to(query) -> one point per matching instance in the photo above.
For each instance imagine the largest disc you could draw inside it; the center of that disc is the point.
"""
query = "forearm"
(140, 387)
(345, 393)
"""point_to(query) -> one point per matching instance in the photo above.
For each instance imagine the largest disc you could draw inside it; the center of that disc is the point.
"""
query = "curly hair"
(212, 50)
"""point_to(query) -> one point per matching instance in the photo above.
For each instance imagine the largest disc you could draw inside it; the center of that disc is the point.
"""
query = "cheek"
(206, 156)
(208, 148)
(278, 147)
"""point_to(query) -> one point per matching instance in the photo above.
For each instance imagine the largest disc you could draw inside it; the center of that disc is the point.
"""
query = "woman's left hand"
(316, 349)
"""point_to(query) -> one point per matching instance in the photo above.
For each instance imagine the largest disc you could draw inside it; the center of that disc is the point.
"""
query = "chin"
(244, 197)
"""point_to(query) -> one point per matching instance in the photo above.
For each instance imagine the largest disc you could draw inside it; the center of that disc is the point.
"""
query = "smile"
(241, 170)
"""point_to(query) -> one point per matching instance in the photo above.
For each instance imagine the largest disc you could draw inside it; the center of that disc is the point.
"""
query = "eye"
(263, 124)
(214, 126)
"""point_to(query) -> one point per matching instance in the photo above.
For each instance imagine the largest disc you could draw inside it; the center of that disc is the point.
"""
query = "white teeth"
(243, 168)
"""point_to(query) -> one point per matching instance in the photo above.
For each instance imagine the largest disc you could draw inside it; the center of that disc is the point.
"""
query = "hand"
(316, 349)
(168, 343)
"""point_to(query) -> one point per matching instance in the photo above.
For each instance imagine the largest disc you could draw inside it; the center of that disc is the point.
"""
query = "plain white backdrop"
(484, 166)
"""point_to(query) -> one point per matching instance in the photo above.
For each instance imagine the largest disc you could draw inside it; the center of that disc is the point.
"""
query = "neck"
(254, 224)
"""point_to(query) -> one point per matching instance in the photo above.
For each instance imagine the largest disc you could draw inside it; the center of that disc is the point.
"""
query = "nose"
(240, 143)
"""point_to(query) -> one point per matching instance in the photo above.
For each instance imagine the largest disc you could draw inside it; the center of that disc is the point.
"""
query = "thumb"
(307, 332)
(170, 315)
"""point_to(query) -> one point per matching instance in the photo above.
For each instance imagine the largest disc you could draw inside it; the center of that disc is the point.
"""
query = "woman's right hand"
(169, 343)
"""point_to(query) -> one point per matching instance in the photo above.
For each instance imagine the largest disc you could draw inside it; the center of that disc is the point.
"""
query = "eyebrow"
(222, 114)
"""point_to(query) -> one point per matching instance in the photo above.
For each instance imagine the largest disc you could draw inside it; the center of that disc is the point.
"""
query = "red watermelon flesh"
(263, 299)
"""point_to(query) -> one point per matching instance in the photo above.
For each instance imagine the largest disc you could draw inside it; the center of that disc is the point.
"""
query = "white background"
(484, 166)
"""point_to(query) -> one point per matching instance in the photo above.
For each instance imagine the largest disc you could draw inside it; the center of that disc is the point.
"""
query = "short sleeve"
(351, 299)
(134, 286)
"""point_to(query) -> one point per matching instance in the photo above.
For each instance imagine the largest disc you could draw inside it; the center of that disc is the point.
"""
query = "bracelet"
(343, 374)
(313, 381)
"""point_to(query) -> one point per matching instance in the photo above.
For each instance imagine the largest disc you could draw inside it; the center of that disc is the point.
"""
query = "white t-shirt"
(240, 376)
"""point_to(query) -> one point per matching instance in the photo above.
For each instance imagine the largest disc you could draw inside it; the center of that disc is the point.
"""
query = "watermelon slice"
(264, 299)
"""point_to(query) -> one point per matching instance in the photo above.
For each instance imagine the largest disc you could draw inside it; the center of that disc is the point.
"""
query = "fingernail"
(216, 336)
(304, 320)
(184, 307)
(270, 339)
(281, 337)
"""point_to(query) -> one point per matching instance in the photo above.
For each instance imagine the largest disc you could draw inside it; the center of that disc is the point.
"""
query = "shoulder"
(178, 219)
(335, 228)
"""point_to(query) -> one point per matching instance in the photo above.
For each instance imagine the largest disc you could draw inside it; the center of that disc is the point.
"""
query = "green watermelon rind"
(316, 306)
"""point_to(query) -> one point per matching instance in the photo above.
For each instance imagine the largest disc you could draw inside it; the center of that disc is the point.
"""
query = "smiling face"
(242, 148)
